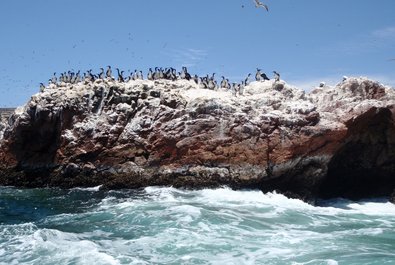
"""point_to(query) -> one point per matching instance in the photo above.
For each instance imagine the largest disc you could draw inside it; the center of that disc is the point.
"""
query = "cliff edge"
(333, 141)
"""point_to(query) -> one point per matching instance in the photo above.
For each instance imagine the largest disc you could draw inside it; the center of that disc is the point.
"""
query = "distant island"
(331, 142)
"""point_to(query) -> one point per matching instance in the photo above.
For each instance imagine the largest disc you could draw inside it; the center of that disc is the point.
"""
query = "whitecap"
(318, 262)
(162, 193)
(377, 207)
(50, 246)
(96, 188)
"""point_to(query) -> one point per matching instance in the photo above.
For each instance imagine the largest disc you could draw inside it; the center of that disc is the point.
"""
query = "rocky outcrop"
(334, 141)
(5, 114)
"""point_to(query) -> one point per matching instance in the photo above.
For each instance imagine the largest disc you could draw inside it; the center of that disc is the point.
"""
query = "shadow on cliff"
(34, 145)
(365, 165)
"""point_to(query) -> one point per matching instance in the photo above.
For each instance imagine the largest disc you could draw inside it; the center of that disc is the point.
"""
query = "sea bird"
(260, 4)
(259, 76)
(276, 76)
(101, 75)
(109, 72)
(246, 80)
(42, 87)
(120, 76)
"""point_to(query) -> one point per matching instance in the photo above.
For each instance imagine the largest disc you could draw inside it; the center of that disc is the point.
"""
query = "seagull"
(260, 4)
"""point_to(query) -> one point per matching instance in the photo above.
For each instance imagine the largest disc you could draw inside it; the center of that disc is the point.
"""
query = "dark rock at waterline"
(334, 141)
(392, 197)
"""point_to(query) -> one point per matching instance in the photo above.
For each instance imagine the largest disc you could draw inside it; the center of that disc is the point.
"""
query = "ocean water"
(171, 226)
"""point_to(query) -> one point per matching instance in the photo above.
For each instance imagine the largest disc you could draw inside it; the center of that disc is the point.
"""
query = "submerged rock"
(334, 141)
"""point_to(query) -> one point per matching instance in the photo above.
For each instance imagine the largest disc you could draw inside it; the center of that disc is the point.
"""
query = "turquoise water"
(171, 226)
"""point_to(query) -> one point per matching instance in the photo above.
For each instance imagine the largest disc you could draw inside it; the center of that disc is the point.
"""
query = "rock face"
(5, 114)
(334, 141)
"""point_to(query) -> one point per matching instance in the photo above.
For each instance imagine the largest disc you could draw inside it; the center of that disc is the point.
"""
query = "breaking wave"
(159, 225)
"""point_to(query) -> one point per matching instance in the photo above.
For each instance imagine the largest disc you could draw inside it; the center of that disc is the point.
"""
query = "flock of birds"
(205, 82)
(159, 73)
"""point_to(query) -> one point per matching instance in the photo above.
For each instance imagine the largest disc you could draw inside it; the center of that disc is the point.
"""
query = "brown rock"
(335, 141)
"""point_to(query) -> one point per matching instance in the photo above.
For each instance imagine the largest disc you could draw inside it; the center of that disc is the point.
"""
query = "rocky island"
(330, 142)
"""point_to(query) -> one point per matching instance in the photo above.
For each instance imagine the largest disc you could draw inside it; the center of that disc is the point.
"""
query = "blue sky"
(307, 41)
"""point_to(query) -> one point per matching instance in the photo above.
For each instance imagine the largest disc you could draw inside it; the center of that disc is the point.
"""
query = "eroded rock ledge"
(334, 141)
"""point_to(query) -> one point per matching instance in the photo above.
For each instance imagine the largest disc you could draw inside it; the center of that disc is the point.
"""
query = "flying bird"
(260, 4)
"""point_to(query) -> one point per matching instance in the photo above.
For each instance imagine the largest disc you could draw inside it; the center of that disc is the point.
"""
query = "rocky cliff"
(333, 141)
(5, 114)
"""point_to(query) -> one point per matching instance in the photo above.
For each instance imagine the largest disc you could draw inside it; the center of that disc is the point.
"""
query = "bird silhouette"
(260, 4)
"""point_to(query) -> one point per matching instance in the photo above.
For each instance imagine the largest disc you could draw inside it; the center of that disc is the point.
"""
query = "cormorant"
(173, 74)
(134, 75)
(276, 76)
(188, 76)
(223, 82)
(183, 72)
(91, 77)
(246, 80)
(78, 77)
(213, 77)
(140, 75)
(156, 74)
(120, 76)
(203, 82)
(109, 72)
(161, 73)
(234, 89)
(259, 76)
(241, 87)
(54, 79)
(264, 76)
(211, 84)
(101, 75)
(196, 79)
(150, 75)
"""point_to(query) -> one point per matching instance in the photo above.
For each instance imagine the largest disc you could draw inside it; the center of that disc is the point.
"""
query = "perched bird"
(246, 80)
(120, 76)
(223, 82)
(150, 75)
(140, 75)
(212, 77)
(234, 89)
(109, 72)
(78, 77)
(42, 87)
(211, 84)
(276, 76)
(101, 75)
(242, 87)
(183, 72)
(91, 77)
(54, 79)
(264, 76)
(134, 75)
(187, 76)
(259, 76)
(260, 4)
(196, 79)
(322, 84)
